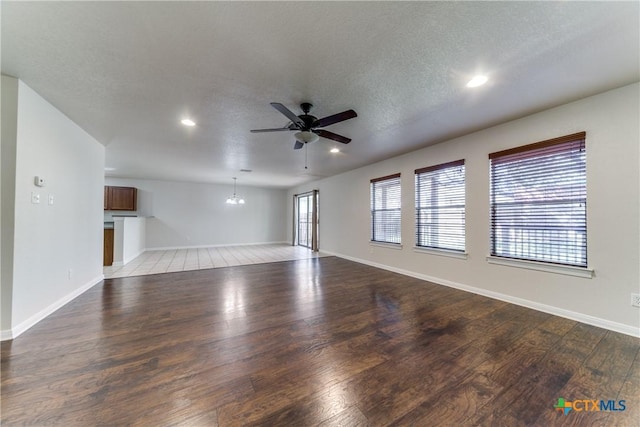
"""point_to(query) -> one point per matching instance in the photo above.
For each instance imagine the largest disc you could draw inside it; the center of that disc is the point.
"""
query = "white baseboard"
(170, 248)
(556, 311)
(31, 321)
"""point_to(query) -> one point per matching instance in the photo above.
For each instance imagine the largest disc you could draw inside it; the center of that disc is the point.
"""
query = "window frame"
(373, 184)
(549, 253)
(436, 172)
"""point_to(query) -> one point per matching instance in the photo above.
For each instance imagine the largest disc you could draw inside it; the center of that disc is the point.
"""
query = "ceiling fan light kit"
(306, 137)
(307, 125)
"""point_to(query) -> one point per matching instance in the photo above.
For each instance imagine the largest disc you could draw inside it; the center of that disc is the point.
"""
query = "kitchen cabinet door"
(121, 198)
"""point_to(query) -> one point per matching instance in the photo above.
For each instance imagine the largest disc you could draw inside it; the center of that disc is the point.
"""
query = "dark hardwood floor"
(315, 342)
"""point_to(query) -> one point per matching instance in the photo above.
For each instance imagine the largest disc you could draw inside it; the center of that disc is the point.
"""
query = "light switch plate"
(35, 197)
(50, 199)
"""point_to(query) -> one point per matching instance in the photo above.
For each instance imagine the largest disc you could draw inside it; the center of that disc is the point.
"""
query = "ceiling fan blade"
(329, 120)
(330, 135)
(269, 130)
(298, 145)
(288, 113)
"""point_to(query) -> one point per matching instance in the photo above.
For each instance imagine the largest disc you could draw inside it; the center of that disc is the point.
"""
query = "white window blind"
(386, 209)
(440, 206)
(539, 202)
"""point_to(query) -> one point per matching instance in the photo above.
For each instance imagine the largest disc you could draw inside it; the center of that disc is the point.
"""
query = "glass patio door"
(305, 205)
(306, 220)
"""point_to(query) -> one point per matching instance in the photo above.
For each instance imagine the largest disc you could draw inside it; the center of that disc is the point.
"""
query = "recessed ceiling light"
(477, 81)
(188, 122)
(335, 150)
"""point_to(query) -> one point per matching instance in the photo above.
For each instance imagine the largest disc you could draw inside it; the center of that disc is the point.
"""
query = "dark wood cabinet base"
(107, 256)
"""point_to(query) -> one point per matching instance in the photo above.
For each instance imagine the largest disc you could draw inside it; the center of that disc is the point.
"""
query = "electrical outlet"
(35, 197)
(635, 300)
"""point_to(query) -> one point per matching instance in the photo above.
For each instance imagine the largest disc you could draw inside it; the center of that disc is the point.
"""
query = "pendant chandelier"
(235, 200)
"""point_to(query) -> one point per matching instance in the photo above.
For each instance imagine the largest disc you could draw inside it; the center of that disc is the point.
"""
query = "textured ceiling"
(127, 72)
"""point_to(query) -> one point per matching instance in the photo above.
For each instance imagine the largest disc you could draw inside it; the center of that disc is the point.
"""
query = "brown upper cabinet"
(120, 198)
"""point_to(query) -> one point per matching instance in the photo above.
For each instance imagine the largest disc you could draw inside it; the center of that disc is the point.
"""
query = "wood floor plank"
(548, 377)
(301, 404)
(600, 377)
(321, 341)
(351, 417)
(630, 393)
(455, 404)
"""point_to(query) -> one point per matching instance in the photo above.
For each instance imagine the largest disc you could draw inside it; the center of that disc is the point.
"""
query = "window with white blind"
(539, 202)
(440, 206)
(385, 209)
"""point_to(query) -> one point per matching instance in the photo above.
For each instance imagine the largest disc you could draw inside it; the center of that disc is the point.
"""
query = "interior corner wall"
(57, 248)
(187, 215)
(9, 117)
(612, 124)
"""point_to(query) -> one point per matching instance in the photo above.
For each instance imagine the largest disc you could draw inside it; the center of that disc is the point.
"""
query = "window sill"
(396, 246)
(440, 252)
(543, 266)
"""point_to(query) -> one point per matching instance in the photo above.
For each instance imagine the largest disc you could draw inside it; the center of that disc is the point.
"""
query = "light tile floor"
(154, 262)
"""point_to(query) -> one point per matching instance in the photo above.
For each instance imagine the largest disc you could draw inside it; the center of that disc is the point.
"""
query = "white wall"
(183, 214)
(612, 123)
(9, 116)
(57, 248)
